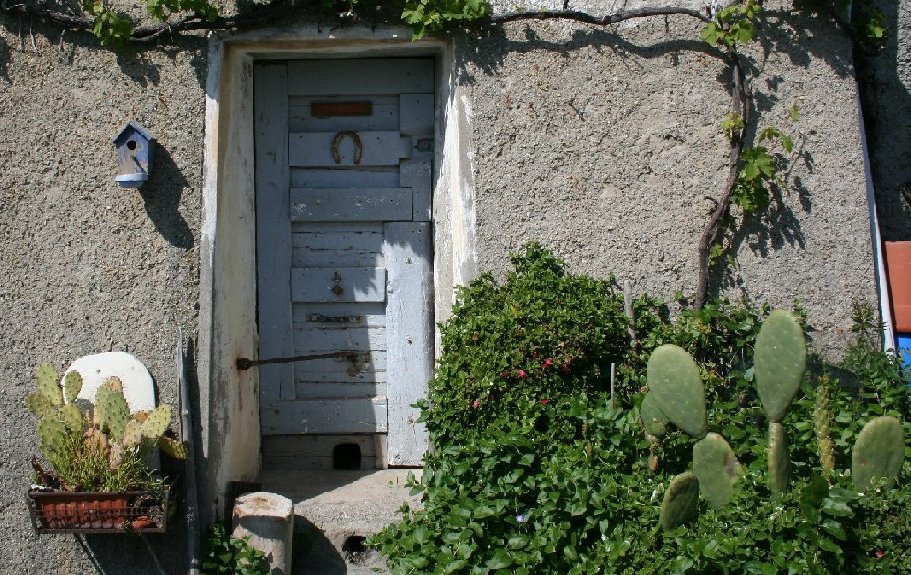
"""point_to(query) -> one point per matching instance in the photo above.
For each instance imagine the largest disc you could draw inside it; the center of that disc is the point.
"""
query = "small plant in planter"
(99, 476)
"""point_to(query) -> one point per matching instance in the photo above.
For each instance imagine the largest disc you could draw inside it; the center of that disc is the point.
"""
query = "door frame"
(228, 397)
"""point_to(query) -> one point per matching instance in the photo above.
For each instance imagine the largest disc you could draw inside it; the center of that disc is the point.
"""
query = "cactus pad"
(48, 382)
(716, 467)
(680, 501)
(779, 361)
(172, 447)
(114, 384)
(653, 419)
(878, 452)
(132, 433)
(779, 461)
(674, 379)
(157, 422)
(52, 437)
(112, 411)
(40, 405)
(72, 385)
(72, 418)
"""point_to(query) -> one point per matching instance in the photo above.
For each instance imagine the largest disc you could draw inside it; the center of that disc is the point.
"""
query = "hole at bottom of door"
(346, 456)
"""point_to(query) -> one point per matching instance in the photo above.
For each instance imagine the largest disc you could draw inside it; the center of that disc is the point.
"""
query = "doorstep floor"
(335, 510)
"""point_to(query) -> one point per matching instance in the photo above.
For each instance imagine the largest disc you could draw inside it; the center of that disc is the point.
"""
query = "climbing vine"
(756, 156)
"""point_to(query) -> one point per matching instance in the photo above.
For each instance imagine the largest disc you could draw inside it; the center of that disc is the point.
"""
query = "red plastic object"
(898, 267)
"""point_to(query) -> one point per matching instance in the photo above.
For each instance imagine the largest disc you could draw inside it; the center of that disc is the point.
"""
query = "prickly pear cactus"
(49, 384)
(780, 358)
(52, 437)
(157, 422)
(40, 405)
(653, 419)
(72, 418)
(674, 379)
(172, 447)
(112, 410)
(680, 501)
(716, 467)
(879, 452)
(72, 385)
(132, 433)
(779, 461)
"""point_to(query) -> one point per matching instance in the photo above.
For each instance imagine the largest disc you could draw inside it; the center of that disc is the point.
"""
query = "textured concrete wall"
(88, 266)
(886, 79)
(604, 144)
(601, 143)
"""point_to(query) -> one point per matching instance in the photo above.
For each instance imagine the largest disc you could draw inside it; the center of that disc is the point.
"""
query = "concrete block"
(267, 521)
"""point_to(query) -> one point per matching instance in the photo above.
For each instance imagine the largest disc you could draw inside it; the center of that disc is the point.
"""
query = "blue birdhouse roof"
(128, 131)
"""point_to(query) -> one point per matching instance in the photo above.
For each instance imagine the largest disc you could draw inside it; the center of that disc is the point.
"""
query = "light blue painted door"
(344, 155)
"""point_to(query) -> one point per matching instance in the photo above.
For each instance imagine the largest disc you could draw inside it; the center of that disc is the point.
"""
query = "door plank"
(378, 148)
(338, 284)
(416, 114)
(351, 77)
(340, 236)
(351, 204)
(328, 416)
(338, 389)
(417, 174)
(339, 315)
(352, 339)
(273, 235)
(409, 333)
(346, 177)
(384, 114)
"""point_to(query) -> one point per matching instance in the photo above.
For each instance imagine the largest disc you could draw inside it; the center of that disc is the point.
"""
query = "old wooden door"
(344, 153)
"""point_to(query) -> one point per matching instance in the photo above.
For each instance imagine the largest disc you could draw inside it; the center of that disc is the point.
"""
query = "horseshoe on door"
(358, 146)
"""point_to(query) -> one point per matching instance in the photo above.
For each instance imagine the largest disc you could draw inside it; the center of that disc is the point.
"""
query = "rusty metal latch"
(244, 363)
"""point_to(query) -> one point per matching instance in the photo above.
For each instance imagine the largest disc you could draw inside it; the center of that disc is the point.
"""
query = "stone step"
(335, 511)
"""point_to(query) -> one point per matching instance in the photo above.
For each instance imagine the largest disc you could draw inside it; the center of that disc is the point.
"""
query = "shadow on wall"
(887, 114)
(161, 195)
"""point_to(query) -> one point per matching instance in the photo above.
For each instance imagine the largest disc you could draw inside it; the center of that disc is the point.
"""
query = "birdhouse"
(134, 145)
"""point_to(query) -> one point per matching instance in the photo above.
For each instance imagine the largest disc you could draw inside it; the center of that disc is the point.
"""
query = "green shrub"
(571, 485)
(510, 350)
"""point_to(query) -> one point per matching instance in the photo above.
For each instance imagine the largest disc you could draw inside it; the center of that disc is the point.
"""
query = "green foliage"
(161, 9)
(512, 350)
(732, 125)
(111, 28)
(429, 16)
(733, 25)
(564, 487)
(224, 554)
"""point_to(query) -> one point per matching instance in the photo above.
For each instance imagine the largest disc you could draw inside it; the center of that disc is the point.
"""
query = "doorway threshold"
(336, 510)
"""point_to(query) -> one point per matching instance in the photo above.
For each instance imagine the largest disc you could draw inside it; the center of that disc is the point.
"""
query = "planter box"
(127, 512)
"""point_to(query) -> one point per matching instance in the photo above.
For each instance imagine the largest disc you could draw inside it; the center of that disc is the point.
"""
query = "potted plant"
(99, 477)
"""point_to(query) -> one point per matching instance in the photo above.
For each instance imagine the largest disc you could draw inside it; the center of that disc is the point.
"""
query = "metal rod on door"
(244, 363)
